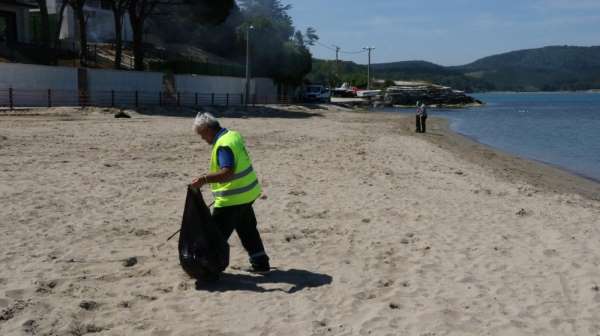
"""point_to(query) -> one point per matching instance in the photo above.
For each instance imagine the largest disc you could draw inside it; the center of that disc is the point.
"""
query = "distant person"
(235, 187)
(418, 117)
(422, 118)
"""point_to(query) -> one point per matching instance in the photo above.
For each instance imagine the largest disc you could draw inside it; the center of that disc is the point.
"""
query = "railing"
(18, 98)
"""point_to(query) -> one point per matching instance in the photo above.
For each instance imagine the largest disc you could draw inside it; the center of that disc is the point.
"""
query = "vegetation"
(277, 50)
(544, 69)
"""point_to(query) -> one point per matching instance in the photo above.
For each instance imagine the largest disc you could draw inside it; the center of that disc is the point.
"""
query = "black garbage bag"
(203, 253)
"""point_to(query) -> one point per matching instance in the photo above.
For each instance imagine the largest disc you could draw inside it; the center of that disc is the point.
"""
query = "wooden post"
(49, 97)
(112, 98)
(136, 99)
(254, 100)
(196, 99)
(212, 99)
(159, 98)
(178, 99)
(11, 103)
(227, 101)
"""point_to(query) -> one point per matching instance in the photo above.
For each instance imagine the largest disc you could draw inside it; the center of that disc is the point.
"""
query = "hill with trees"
(543, 69)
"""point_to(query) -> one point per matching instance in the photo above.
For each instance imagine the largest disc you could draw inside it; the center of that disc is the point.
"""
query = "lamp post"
(370, 49)
(248, 65)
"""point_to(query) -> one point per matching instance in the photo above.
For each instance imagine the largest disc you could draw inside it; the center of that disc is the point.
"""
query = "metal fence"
(14, 98)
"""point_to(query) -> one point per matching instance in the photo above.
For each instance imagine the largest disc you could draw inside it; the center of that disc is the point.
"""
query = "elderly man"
(235, 187)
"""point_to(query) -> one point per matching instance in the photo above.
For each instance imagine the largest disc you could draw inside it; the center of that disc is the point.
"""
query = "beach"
(371, 228)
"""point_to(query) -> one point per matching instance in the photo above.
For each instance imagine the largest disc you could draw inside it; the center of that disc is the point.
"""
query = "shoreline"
(538, 173)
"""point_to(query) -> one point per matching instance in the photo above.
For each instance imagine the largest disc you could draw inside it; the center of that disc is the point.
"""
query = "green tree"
(206, 11)
(278, 50)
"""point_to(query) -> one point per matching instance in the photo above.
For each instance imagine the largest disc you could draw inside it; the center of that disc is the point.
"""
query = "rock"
(409, 93)
(394, 305)
(88, 305)
(122, 114)
(521, 212)
(130, 262)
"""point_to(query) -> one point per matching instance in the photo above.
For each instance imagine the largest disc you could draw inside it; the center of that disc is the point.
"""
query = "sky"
(451, 32)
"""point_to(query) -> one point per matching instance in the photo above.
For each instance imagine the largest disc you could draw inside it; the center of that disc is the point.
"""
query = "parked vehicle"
(317, 93)
(345, 91)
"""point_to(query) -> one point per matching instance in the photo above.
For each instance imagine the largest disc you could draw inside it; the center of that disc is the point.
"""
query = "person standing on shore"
(422, 117)
(235, 187)
(418, 117)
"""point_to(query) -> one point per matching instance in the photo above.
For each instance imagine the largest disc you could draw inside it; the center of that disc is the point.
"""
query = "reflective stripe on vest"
(236, 191)
(243, 187)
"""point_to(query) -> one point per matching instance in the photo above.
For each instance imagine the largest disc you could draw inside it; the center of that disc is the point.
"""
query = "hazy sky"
(451, 32)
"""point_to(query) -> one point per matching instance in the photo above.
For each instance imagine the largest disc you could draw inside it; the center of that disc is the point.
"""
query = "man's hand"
(199, 182)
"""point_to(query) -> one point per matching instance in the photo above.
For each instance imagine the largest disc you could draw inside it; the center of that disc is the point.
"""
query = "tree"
(311, 36)
(208, 11)
(139, 11)
(45, 24)
(77, 6)
(119, 7)
(280, 52)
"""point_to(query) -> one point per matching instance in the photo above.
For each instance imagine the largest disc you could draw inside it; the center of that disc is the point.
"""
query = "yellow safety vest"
(243, 187)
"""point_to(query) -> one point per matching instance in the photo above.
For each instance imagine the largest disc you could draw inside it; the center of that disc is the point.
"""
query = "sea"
(561, 129)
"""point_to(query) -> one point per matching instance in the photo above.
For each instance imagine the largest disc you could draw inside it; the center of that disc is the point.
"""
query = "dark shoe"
(259, 265)
(258, 270)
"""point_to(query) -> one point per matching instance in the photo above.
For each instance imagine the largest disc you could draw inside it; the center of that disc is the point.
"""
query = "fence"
(14, 98)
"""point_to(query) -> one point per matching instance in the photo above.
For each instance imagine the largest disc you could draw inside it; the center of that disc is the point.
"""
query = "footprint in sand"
(15, 293)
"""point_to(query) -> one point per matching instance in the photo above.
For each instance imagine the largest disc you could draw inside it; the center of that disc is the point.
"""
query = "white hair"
(206, 119)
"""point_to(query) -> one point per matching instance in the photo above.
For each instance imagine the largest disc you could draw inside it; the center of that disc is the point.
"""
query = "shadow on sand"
(298, 279)
(232, 112)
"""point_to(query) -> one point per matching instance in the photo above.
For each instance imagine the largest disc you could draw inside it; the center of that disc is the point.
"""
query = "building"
(14, 22)
(100, 22)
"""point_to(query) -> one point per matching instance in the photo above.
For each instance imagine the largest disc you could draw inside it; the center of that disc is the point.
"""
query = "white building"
(100, 22)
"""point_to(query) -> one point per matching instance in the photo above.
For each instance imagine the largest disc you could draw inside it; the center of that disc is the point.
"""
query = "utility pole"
(337, 62)
(247, 96)
(369, 67)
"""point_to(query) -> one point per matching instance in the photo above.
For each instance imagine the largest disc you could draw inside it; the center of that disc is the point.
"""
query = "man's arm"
(223, 175)
(226, 171)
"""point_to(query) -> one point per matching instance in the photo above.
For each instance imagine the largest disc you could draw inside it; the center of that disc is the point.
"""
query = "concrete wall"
(222, 85)
(106, 87)
(125, 83)
(37, 77)
(209, 84)
(264, 87)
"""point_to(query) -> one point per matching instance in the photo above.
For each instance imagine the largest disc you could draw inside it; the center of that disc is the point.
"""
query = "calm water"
(562, 129)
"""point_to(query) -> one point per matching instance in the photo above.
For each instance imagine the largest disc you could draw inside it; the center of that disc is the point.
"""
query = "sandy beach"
(372, 230)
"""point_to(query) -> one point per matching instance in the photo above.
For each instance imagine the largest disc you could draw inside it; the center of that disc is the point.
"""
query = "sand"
(372, 230)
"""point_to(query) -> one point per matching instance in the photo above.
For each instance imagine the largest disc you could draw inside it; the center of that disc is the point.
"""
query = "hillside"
(543, 69)
(549, 68)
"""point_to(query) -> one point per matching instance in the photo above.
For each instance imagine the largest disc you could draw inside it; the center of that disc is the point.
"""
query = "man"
(418, 117)
(423, 118)
(235, 187)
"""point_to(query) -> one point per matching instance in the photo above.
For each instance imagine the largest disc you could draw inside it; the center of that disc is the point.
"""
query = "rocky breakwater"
(409, 93)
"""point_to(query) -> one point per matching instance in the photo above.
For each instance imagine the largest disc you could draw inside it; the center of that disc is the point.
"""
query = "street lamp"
(248, 64)
(370, 49)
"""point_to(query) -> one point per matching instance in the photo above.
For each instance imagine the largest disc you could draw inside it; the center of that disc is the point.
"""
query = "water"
(562, 129)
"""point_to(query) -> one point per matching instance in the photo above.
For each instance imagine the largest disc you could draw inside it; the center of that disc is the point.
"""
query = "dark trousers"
(421, 124)
(241, 218)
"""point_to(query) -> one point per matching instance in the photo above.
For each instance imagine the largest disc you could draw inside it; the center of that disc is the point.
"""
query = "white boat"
(367, 93)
